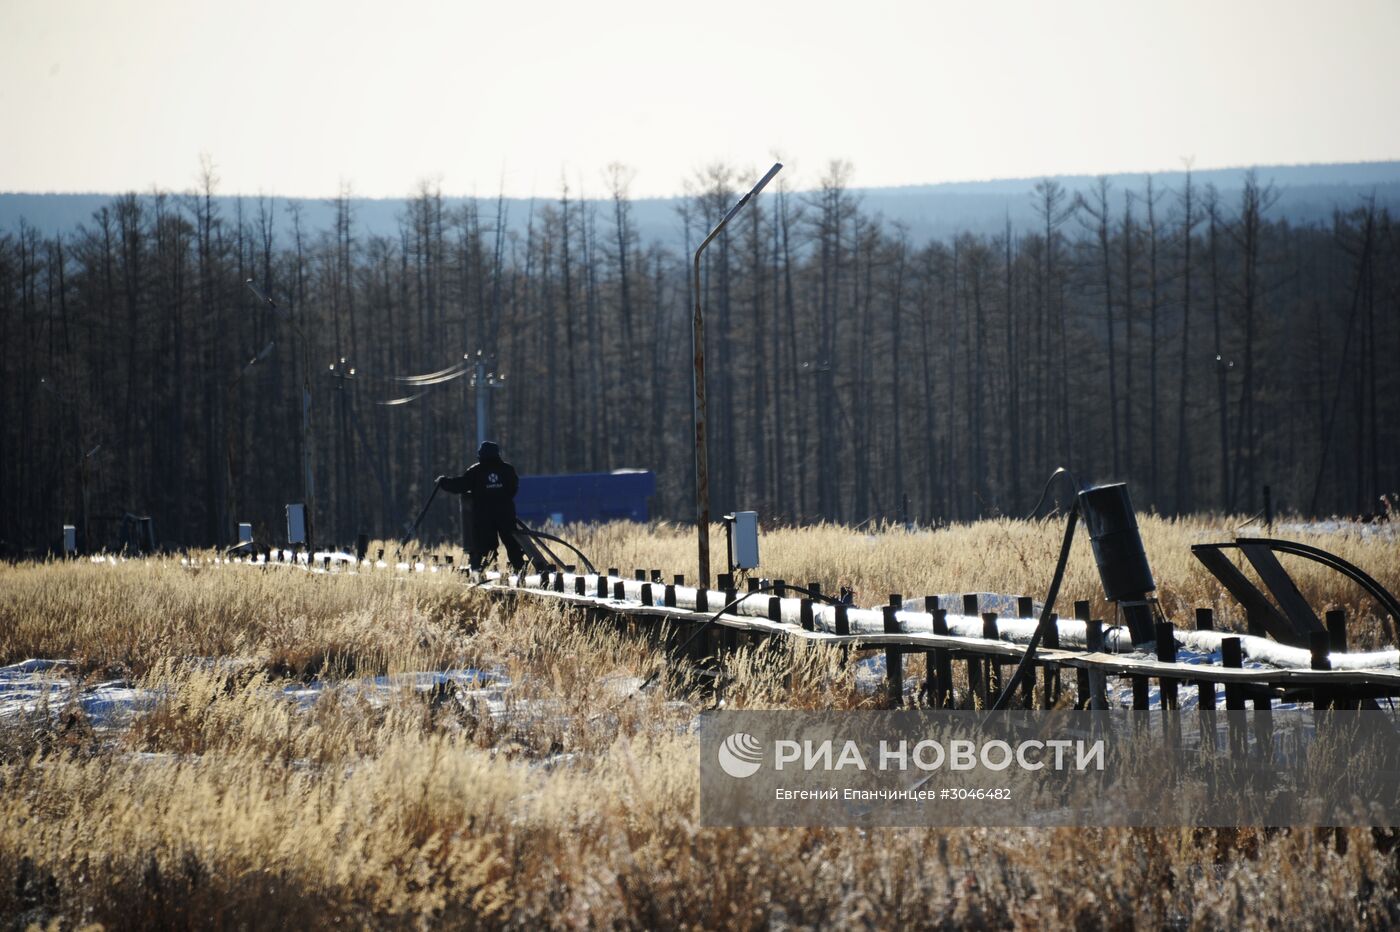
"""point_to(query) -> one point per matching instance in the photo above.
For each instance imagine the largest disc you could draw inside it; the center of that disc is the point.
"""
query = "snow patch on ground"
(50, 687)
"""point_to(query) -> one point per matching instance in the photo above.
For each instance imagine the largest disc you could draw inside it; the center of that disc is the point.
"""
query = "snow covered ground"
(50, 689)
(53, 687)
(40, 687)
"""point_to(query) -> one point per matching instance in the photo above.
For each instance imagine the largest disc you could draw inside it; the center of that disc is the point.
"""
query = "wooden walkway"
(984, 658)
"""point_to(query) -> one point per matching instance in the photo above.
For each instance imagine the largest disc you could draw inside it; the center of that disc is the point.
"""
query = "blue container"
(621, 495)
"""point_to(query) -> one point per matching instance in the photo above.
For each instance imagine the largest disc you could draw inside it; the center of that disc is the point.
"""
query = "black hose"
(1045, 614)
(541, 535)
(1062, 471)
(414, 529)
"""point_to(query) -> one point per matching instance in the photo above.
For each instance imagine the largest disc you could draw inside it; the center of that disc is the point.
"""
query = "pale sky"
(294, 97)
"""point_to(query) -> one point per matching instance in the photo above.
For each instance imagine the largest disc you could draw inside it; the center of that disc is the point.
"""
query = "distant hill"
(1307, 194)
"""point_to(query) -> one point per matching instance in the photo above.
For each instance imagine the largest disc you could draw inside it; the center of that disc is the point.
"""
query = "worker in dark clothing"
(492, 483)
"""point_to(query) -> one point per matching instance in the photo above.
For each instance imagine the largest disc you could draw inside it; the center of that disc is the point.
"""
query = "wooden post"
(1140, 693)
(1166, 652)
(1264, 724)
(896, 601)
(1051, 695)
(558, 581)
(930, 663)
(669, 595)
(815, 588)
(970, 605)
(602, 587)
(730, 636)
(989, 626)
(1205, 621)
(894, 663)
(991, 675)
(775, 608)
(843, 621)
(1025, 606)
(646, 594)
(1093, 638)
(614, 571)
(1337, 630)
(1320, 643)
(580, 585)
(1232, 657)
(619, 591)
(641, 575)
(753, 584)
(804, 614)
(780, 588)
(942, 660)
(1083, 688)
(678, 579)
(1337, 638)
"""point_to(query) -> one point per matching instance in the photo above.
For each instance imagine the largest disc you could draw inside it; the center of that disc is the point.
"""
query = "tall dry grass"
(575, 804)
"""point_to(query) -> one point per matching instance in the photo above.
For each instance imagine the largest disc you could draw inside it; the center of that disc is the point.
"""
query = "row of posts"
(985, 673)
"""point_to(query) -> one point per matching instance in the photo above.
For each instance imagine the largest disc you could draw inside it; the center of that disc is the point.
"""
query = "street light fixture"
(702, 458)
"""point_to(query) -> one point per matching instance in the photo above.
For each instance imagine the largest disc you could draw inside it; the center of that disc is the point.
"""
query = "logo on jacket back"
(493, 481)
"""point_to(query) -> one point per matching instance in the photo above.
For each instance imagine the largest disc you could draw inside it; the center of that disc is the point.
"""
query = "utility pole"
(308, 487)
(483, 381)
(702, 458)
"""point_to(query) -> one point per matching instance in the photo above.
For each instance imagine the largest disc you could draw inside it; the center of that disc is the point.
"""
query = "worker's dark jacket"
(492, 484)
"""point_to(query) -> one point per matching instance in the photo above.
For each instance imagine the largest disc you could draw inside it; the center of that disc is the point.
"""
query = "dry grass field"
(553, 792)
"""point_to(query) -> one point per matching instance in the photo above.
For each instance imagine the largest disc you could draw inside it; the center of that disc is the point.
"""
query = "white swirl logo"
(740, 755)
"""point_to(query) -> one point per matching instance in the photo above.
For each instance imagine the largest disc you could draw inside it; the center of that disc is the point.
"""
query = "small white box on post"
(296, 523)
(70, 540)
(745, 540)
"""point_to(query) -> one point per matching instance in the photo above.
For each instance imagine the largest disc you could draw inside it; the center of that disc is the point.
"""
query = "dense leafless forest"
(1189, 342)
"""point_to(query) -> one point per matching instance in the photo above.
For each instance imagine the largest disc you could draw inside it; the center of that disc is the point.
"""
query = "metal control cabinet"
(296, 524)
(745, 532)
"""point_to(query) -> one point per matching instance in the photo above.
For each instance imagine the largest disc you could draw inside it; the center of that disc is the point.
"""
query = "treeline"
(1188, 343)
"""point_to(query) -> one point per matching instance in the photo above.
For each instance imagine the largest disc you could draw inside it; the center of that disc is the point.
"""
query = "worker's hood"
(488, 451)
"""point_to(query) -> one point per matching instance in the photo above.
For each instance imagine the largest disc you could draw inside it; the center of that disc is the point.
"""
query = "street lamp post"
(484, 379)
(702, 458)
